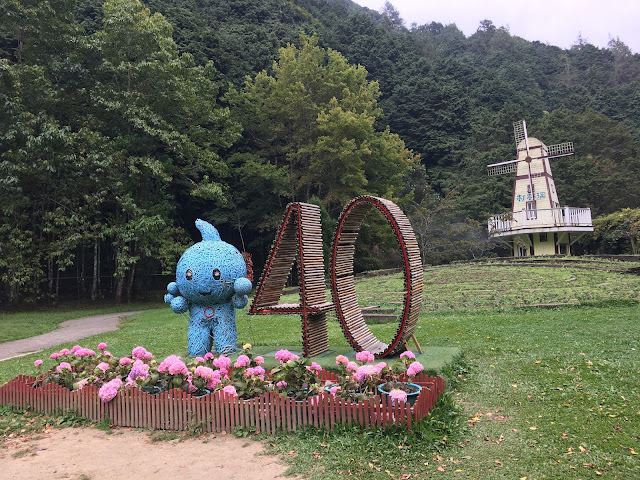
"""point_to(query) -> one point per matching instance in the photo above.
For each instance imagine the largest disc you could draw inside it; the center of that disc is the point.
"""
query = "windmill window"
(531, 210)
(531, 189)
(543, 237)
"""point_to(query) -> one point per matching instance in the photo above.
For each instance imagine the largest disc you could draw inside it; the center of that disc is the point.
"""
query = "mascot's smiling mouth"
(205, 293)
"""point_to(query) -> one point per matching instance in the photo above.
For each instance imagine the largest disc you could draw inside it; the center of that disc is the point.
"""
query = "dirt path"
(89, 453)
(68, 331)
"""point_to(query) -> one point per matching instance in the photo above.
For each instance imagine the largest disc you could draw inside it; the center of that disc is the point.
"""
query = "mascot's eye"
(189, 274)
(216, 274)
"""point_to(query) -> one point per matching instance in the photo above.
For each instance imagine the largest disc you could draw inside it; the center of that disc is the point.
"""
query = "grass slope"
(541, 392)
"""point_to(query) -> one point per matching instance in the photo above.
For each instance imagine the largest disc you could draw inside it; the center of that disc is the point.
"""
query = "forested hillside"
(121, 123)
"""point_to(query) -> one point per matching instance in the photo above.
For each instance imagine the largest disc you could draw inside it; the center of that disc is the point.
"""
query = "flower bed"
(217, 393)
(219, 411)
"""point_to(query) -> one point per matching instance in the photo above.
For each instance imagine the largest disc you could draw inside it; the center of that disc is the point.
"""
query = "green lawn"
(540, 393)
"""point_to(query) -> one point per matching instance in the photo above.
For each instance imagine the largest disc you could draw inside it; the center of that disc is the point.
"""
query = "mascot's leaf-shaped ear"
(208, 231)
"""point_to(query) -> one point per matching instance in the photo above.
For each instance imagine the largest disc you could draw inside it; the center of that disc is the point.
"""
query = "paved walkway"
(68, 331)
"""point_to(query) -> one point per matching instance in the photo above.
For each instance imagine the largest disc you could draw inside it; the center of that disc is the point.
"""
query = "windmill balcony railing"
(554, 217)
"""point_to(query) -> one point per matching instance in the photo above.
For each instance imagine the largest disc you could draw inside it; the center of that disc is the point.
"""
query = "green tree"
(617, 233)
(316, 117)
(100, 145)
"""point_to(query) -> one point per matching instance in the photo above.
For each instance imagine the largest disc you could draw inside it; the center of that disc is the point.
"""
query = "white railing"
(555, 217)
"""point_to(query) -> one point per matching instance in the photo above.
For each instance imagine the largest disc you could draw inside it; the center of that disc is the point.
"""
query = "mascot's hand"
(172, 288)
(179, 305)
(239, 301)
(242, 286)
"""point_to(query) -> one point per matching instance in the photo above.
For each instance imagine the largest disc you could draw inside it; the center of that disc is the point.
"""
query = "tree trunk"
(119, 289)
(50, 274)
(83, 278)
(130, 283)
(57, 284)
(96, 271)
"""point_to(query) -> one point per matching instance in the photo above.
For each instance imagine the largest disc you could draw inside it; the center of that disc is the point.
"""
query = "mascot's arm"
(178, 304)
(242, 286)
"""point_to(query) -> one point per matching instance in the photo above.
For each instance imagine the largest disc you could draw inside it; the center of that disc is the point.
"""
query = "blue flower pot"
(201, 393)
(151, 390)
(411, 397)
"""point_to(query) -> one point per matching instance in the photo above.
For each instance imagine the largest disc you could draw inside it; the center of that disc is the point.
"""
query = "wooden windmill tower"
(537, 224)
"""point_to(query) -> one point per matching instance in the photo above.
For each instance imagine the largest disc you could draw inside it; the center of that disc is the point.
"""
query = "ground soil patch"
(89, 453)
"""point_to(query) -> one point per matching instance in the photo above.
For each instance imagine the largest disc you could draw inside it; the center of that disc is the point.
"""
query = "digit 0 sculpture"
(300, 236)
(343, 285)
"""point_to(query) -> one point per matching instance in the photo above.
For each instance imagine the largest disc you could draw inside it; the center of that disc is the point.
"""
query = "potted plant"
(398, 390)
(295, 377)
(357, 380)
(247, 377)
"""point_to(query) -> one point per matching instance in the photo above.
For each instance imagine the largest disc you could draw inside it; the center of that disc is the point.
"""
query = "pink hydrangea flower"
(82, 383)
(212, 384)
(408, 354)
(37, 363)
(84, 352)
(398, 395)
(102, 346)
(281, 384)
(258, 371)
(75, 348)
(314, 367)
(139, 353)
(213, 379)
(242, 361)
(208, 356)
(366, 372)
(65, 351)
(414, 369)
(109, 390)
(63, 366)
(380, 366)
(191, 388)
(139, 370)
(248, 372)
(222, 362)
(365, 357)
(55, 355)
(200, 359)
(341, 359)
(285, 355)
(333, 390)
(352, 366)
(125, 361)
(104, 366)
(230, 390)
(173, 365)
(259, 360)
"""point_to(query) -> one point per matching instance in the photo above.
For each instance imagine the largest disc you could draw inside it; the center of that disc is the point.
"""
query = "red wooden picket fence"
(217, 412)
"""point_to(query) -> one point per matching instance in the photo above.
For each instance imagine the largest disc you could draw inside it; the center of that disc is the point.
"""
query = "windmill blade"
(560, 150)
(526, 136)
(502, 168)
(519, 131)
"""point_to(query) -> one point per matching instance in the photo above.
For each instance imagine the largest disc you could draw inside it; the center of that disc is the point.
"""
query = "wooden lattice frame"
(343, 285)
(299, 236)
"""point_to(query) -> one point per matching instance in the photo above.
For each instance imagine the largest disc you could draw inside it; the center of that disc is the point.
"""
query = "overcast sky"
(556, 22)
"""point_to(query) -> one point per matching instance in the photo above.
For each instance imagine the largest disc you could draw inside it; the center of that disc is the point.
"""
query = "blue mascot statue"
(210, 282)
